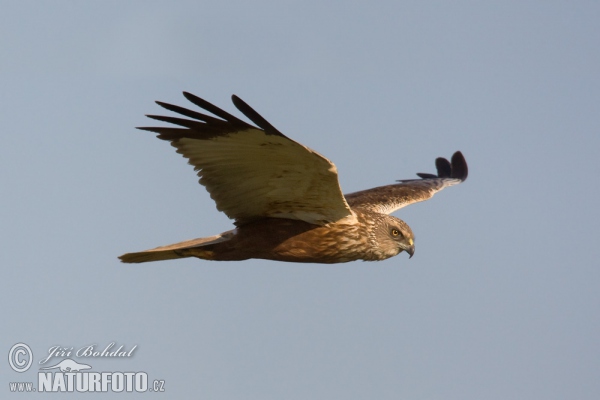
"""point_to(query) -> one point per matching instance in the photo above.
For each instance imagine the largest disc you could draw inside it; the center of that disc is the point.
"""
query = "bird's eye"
(395, 232)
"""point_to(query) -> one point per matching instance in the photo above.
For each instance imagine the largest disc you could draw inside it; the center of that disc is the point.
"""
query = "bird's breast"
(298, 241)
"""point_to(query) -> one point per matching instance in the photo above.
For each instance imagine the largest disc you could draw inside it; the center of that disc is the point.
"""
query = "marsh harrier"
(285, 198)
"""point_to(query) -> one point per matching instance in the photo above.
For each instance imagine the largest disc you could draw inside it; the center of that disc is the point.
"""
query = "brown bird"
(284, 197)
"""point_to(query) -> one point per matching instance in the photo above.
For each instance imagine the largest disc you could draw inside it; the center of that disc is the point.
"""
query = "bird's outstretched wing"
(252, 172)
(387, 199)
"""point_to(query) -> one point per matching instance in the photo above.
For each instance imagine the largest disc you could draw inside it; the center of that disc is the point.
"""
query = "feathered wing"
(252, 172)
(387, 199)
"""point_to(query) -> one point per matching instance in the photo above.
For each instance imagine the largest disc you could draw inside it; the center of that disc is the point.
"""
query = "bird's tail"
(177, 250)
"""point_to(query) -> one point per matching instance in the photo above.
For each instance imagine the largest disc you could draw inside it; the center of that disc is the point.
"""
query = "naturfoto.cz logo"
(69, 375)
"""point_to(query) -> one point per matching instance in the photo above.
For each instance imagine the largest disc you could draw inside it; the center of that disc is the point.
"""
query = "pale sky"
(501, 299)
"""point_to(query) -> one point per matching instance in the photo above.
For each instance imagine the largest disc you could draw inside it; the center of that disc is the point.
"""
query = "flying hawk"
(284, 197)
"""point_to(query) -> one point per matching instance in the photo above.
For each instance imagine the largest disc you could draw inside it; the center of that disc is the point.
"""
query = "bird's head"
(394, 236)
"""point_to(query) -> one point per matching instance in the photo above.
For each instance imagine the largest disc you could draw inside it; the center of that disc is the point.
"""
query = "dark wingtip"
(214, 110)
(459, 167)
(444, 169)
(190, 97)
(239, 103)
(254, 116)
(199, 101)
(424, 175)
(455, 169)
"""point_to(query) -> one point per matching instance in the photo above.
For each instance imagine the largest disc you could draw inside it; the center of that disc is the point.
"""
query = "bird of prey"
(285, 198)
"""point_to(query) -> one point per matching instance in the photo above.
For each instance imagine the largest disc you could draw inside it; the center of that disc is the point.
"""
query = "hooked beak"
(410, 250)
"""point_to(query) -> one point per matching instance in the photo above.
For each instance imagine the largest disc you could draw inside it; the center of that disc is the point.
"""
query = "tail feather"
(174, 251)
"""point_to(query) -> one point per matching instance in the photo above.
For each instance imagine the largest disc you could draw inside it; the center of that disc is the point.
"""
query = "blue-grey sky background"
(502, 297)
